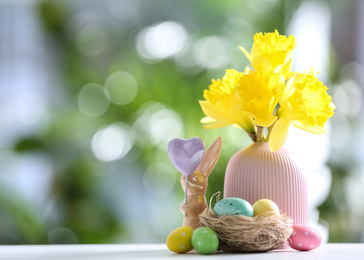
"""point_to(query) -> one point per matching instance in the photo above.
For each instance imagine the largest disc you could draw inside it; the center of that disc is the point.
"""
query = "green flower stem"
(260, 134)
(252, 136)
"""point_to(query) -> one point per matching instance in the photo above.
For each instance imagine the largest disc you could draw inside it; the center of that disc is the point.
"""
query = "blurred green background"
(91, 92)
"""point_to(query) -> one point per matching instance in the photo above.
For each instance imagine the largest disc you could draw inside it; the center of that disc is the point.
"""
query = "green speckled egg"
(233, 206)
(205, 240)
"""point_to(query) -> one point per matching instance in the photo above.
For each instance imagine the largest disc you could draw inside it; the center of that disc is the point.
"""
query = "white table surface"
(160, 251)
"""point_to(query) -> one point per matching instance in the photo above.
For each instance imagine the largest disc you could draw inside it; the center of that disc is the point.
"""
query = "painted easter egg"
(265, 206)
(179, 240)
(233, 206)
(304, 238)
(205, 240)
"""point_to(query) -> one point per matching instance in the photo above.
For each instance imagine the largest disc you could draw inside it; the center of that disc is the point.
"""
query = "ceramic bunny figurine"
(197, 185)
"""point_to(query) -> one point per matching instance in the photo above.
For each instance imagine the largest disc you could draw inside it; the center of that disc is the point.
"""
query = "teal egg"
(205, 240)
(233, 206)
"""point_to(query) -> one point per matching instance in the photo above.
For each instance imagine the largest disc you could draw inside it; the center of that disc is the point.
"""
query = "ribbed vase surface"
(256, 173)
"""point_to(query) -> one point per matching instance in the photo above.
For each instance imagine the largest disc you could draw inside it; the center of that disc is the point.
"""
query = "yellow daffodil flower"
(221, 104)
(307, 107)
(260, 91)
(276, 48)
(268, 94)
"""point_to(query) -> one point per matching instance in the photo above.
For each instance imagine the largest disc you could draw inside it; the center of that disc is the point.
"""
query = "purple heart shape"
(186, 154)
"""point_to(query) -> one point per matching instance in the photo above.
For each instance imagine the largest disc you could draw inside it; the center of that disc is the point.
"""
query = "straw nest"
(239, 233)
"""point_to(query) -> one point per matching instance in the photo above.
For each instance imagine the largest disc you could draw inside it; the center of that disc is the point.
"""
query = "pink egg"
(304, 238)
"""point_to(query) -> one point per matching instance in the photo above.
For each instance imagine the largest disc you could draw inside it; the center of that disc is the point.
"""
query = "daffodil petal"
(311, 71)
(262, 64)
(207, 120)
(332, 107)
(244, 119)
(236, 126)
(279, 134)
(247, 54)
(216, 125)
(246, 70)
(265, 122)
(214, 111)
(305, 125)
(285, 69)
(289, 89)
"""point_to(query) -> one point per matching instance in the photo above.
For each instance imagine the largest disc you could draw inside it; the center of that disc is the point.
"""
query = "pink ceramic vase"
(256, 173)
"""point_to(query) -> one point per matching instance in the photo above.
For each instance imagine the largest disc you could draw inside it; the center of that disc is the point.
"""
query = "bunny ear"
(210, 158)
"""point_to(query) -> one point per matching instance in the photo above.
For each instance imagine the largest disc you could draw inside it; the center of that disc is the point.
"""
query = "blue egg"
(233, 206)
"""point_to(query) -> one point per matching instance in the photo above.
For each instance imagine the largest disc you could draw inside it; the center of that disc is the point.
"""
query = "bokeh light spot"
(212, 52)
(311, 21)
(157, 125)
(62, 235)
(159, 179)
(112, 143)
(161, 41)
(93, 100)
(93, 39)
(122, 87)
(348, 98)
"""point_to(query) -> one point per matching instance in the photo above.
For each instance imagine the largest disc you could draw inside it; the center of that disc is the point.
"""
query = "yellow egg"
(265, 206)
(179, 241)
